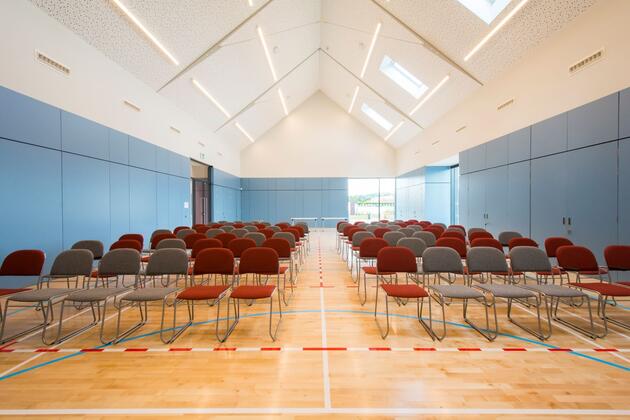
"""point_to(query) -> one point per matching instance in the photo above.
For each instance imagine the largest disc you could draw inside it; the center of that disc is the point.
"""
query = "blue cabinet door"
(519, 145)
(592, 197)
(142, 203)
(624, 191)
(463, 162)
(624, 113)
(477, 158)
(496, 181)
(497, 152)
(548, 197)
(595, 122)
(476, 200)
(463, 200)
(162, 200)
(84, 137)
(119, 201)
(518, 198)
(118, 147)
(549, 136)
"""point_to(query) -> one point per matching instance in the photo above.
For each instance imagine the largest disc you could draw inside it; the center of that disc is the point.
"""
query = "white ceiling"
(314, 45)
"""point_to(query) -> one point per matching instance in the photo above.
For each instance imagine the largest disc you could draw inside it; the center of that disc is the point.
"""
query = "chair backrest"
(381, 231)
(202, 229)
(257, 237)
(118, 262)
(408, 232)
(240, 232)
(427, 237)
(238, 245)
(95, 247)
(274, 228)
(516, 242)
(259, 260)
(159, 232)
(341, 226)
(459, 227)
(576, 258)
(457, 244)
(617, 257)
(436, 231)
(346, 230)
(238, 225)
(214, 261)
(167, 261)
(267, 232)
(369, 247)
(453, 234)
(416, 245)
(358, 237)
(304, 226)
(491, 242)
(393, 237)
(180, 228)
(135, 236)
(227, 228)
(295, 233)
(424, 223)
(395, 259)
(415, 228)
(479, 234)
(442, 225)
(181, 234)
(442, 260)
(225, 238)
(282, 247)
(553, 243)
(485, 259)
(283, 225)
(528, 259)
(192, 239)
(507, 236)
(73, 262)
(371, 228)
(171, 244)
(25, 262)
(211, 233)
(204, 244)
(126, 243)
(159, 237)
(300, 230)
(288, 236)
(251, 228)
(393, 227)
(475, 229)
(354, 231)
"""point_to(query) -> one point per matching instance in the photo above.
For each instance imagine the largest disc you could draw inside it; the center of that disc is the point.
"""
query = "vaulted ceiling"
(208, 56)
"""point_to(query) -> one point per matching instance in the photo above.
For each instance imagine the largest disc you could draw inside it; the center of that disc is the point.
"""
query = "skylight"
(376, 117)
(486, 10)
(402, 77)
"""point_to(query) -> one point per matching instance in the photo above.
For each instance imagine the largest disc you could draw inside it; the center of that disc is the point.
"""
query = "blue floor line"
(210, 321)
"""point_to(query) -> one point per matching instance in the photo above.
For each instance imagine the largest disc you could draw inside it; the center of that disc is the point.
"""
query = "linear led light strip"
(264, 45)
(369, 54)
(393, 130)
(245, 133)
(207, 95)
(354, 99)
(282, 101)
(145, 31)
(495, 29)
(430, 94)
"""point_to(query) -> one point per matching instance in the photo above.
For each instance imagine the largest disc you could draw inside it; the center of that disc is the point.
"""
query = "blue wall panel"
(624, 113)
(549, 136)
(162, 201)
(142, 154)
(518, 198)
(519, 145)
(118, 147)
(548, 196)
(624, 191)
(142, 192)
(497, 152)
(179, 201)
(595, 122)
(119, 200)
(162, 160)
(438, 198)
(496, 208)
(84, 137)
(27, 120)
(477, 158)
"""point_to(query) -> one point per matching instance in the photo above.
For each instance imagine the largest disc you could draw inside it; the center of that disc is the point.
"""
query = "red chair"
(489, 242)
(212, 262)
(126, 243)
(618, 259)
(239, 245)
(551, 247)
(379, 232)
(238, 225)
(225, 238)
(400, 260)
(435, 230)
(267, 232)
(453, 243)
(22, 263)
(453, 234)
(424, 223)
(260, 262)
(260, 226)
(477, 235)
(460, 227)
(283, 225)
(202, 228)
(192, 238)
(283, 248)
(204, 244)
(514, 242)
(368, 251)
(178, 228)
(216, 226)
(157, 238)
(135, 237)
(439, 227)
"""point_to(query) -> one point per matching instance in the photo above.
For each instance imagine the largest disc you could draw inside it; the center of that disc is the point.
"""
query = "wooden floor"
(329, 360)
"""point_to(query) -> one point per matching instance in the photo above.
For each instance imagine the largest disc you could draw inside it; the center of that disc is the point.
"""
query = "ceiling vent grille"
(132, 105)
(44, 59)
(435, 142)
(505, 104)
(175, 129)
(463, 127)
(587, 61)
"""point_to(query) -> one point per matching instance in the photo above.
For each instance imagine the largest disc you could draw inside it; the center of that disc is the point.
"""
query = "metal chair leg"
(489, 334)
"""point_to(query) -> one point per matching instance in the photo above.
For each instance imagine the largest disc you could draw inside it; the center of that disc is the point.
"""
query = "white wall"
(319, 139)
(540, 85)
(96, 87)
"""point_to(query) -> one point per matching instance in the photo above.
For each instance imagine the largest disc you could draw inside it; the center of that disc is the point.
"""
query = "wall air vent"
(44, 59)
(132, 105)
(435, 142)
(175, 129)
(201, 144)
(587, 61)
(505, 104)
(463, 127)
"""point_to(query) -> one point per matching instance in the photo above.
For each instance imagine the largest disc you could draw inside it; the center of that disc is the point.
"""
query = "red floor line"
(91, 350)
(9, 344)
(180, 349)
(606, 350)
(424, 349)
(559, 349)
(380, 349)
(224, 349)
(468, 349)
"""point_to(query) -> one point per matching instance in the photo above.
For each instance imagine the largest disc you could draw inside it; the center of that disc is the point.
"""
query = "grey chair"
(211, 233)
(159, 232)
(339, 236)
(382, 225)
(427, 237)
(527, 259)
(285, 235)
(227, 228)
(371, 228)
(257, 237)
(71, 265)
(456, 229)
(393, 237)
(274, 228)
(166, 263)
(171, 243)
(408, 232)
(118, 264)
(251, 228)
(95, 247)
(483, 264)
(184, 232)
(416, 245)
(438, 261)
(393, 227)
(441, 225)
(415, 228)
(505, 237)
(357, 238)
(241, 232)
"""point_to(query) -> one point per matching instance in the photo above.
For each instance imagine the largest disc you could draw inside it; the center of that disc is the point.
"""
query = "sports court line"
(322, 307)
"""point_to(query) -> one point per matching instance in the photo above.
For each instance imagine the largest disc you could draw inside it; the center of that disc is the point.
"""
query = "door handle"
(564, 221)
(569, 221)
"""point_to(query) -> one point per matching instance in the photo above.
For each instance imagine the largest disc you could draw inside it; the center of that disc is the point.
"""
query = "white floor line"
(611, 328)
(325, 367)
(319, 411)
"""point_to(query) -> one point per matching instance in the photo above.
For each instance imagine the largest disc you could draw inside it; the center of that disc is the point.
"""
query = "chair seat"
(456, 291)
(145, 259)
(601, 270)
(149, 294)
(202, 292)
(372, 271)
(356, 248)
(40, 295)
(4, 292)
(506, 291)
(554, 290)
(605, 289)
(253, 292)
(410, 291)
(95, 295)
(624, 283)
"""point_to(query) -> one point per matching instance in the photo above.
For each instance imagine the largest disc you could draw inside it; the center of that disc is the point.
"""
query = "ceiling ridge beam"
(383, 98)
(214, 47)
(427, 44)
(270, 34)
(253, 101)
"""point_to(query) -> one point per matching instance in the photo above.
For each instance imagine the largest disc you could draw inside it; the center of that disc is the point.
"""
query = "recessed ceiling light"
(354, 98)
(264, 45)
(245, 133)
(207, 94)
(282, 101)
(391, 133)
(402, 77)
(139, 24)
(426, 98)
(376, 117)
(496, 29)
(369, 54)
